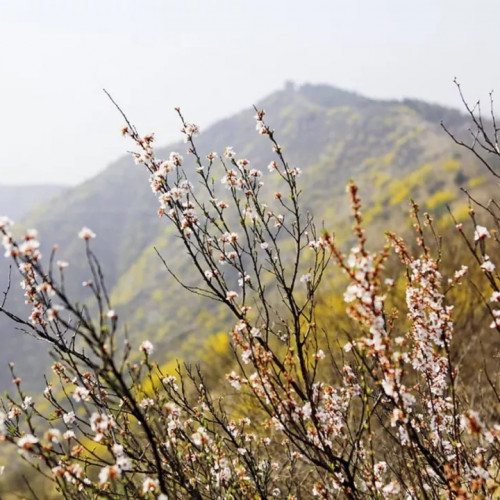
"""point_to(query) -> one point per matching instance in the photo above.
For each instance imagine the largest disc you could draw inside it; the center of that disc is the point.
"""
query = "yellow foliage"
(354, 117)
(439, 198)
(217, 344)
(400, 190)
(451, 165)
(420, 176)
(215, 347)
(158, 295)
(287, 112)
(400, 142)
(400, 194)
(476, 181)
(405, 110)
(461, 212)
(381, 178)
(151, 384)
(338, 109)
(93, 447)
(369, 162)
(372, 212)
(388, 158)
(125, 292)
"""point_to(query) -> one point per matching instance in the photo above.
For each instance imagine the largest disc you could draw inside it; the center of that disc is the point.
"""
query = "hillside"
(394, 150)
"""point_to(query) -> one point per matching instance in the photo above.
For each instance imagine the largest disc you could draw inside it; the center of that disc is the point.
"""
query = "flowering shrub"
(379, 415)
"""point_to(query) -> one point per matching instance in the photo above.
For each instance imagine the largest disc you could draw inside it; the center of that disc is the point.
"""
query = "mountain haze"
(17, 201)
(393, 149)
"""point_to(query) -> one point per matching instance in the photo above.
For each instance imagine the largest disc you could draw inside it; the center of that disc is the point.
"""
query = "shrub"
(382, 414)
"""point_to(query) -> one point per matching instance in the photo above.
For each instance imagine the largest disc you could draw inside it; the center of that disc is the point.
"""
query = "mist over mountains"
(393, 149)
(17, 201)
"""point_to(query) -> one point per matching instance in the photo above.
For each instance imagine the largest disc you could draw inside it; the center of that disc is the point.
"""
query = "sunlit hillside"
(393, 149)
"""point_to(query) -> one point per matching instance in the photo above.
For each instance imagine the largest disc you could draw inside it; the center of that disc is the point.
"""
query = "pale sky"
(213, 58)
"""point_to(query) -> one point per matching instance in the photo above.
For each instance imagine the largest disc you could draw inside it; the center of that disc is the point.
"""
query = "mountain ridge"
(394, 149)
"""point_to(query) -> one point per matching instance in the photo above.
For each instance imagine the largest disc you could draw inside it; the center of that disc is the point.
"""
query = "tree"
(370, 412)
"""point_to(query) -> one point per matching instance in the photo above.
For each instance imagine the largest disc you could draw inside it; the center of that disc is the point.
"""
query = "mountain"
(17, 201)
(393, 149)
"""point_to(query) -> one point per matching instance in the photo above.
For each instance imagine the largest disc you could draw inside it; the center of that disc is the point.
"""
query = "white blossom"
(147, 347)
(86, 234)
(27, 441)
(481, 233)
(81, 394)
(69, 418)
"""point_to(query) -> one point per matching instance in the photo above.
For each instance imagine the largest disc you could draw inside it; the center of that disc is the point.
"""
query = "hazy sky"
(213, 58)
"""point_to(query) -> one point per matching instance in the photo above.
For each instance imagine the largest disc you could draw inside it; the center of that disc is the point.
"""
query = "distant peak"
(329, 96)
(323, 95)
(319, 95)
